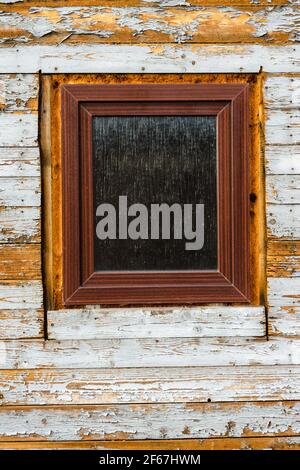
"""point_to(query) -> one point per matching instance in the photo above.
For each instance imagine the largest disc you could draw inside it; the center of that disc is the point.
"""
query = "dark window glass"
(154, 160)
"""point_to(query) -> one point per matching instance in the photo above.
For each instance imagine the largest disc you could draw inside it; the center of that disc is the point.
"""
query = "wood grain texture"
(158, 23)
(152, 352)
(19, 162)
(20, 262)
(20, 225)
(21, 323)
(148, 385)
(282, 92)
(226, 443)
(160, 58)
(282, 159)
(282, 126)
(283, 258)
(156, 322)
(283, 189)
(149, 421)
(21, 295)
(21, 192)
(283, 221)
(18, 93)
(139, 3)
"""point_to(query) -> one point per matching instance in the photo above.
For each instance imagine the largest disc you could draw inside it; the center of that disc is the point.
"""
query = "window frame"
(231, 282)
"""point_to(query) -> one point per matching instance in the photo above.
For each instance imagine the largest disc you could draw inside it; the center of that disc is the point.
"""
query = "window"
(155, 186)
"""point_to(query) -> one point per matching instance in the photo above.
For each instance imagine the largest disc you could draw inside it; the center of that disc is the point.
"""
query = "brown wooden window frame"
(231, 282)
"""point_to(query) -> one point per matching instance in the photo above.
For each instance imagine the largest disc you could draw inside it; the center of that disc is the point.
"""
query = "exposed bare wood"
(156, 322)
(155, 421)
(149, 385)
(282, 92)
(161, 23)
(282, 159)
(18, 130)
(284, 292)
(159, 352)
(226, 443)
(283, 221)
(19, 224)
(156, 58)
(21, 324)
(137, 3)
(284, 321)
(20, 262)
(18, 92)
(19, 162)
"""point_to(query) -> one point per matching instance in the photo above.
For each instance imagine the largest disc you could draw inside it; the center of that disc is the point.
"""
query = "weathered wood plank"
(21, 295)
(282, 159)
(156, 58)
(21, 324)
(283, 258)
(140, 3)
(284, 292)
(153, 421)
(18, 92)
(18, 130)
(149, 385)
(156, 322)
(283, 126)
(19, 162)
(152, 352)
(160, 24)
(283, 221)
(282, 92)
(20, 225)
(284, 321)
(20, 262)
(226, 443)
(21, 192)
(283, 189)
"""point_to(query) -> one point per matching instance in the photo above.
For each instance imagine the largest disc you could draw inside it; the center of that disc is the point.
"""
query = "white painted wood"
(283, 126)
(106, 58)
(20, 192)
(18, 130)
(284, 292)
(150, 352)
(149, 385)
(153, 421)
(282, 92)
(21, 295)
(156, 322)
(19, 162)
(284, 321)
(18, 92)
(283, 189)
(283, 220)
(282, 159)
(20, 224)
(21, 324)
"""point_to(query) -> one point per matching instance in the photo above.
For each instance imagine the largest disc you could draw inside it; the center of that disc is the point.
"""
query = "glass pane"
(153, 160)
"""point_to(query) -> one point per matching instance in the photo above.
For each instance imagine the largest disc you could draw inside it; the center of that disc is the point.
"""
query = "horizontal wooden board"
(19, 162)
(283, 258)
(283, 221)
(18, 130)
(21, 295)
(156, 58)
(283, 189)
(284, 321)
(284, 292)
(20, 262)
(139, 3)
(149, 421)
(20, 225)
(20, 191)
(21, 324)
(282, 159)
(152, 352)
(282, 126)
(18, 93)
(226, 443)
(158, 24)
(282, 92)
(149, 385)
(156, 322)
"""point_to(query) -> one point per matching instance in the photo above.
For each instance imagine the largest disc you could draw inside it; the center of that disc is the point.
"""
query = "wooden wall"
(148, 378)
